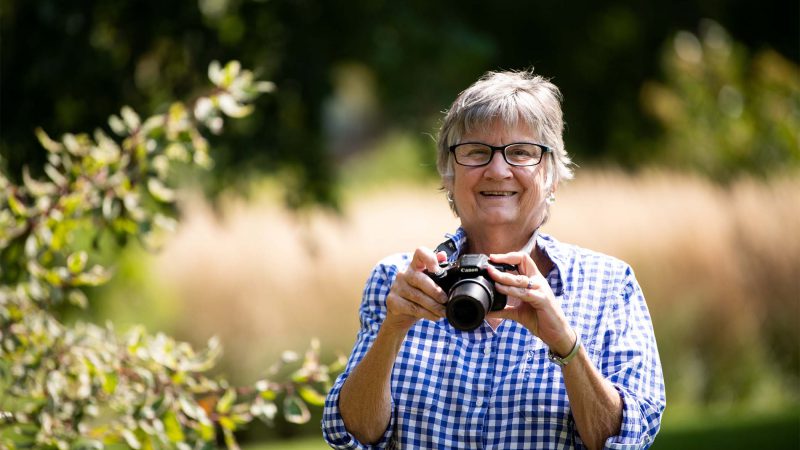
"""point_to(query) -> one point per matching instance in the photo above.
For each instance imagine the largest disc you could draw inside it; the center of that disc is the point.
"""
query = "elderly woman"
(569, 362)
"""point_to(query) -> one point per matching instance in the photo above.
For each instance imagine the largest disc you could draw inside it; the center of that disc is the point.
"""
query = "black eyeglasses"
(476, 154)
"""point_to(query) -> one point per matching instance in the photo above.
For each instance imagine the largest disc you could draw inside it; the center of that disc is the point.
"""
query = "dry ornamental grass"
(719, 268)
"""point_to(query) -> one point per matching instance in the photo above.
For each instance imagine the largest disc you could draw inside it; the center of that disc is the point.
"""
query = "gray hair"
(509, 97)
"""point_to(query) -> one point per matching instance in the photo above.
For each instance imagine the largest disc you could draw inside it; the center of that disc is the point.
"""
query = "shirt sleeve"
(372, 313)
(632, 364)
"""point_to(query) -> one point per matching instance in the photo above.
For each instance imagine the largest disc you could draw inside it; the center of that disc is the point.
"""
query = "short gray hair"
(509, 97)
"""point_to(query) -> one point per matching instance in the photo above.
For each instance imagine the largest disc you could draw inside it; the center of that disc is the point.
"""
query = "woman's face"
(498, 194)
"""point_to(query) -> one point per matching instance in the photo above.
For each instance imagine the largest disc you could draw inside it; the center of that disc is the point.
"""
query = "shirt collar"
(555, 250)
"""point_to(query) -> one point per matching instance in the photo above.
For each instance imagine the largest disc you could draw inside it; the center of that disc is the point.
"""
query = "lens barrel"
(470, 299)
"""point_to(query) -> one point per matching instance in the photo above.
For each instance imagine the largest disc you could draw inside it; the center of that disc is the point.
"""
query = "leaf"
(117, 125)
(294, 410)
(76, 262)
(49, 144)
(172, 427)
(130, 117)
(78, 298)
(226, 401)
(232, 108)
(110, 381)
(232, 70)
(215, 73)
(311, 396)
(227, 423)
(58, 178)
(230, 439)
(265, 87)
(159, 191)
(130, 439)
(203, 108)
(191, 409)
(36, 187)
(16, 206)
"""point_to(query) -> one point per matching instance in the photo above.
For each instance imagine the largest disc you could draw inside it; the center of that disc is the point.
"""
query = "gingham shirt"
(496, 389)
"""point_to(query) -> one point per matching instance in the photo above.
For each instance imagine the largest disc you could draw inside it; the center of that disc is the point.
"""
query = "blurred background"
(683, 119)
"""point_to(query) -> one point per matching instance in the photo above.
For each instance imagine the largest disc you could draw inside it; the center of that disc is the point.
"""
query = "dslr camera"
(470, 290)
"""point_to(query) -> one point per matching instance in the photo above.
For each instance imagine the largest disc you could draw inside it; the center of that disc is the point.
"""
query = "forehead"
(500, 132)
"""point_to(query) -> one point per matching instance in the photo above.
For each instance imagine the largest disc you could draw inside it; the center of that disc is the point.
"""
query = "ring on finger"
(530, 283)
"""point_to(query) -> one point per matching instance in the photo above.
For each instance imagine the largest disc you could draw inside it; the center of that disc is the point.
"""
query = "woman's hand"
(535, 306)
(414, 295)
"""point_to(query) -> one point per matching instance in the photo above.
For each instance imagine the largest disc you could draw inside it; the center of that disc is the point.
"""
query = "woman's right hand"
(414, 295)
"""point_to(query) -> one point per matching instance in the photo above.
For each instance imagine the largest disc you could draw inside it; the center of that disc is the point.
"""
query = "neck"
(496, 240)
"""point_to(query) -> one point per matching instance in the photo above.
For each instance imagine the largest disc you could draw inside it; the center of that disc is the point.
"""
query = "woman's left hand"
(535, 306)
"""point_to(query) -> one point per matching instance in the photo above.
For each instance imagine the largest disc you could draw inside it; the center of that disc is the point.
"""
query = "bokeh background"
(683, 118)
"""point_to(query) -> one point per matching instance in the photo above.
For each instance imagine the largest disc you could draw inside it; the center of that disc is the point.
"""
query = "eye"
(523, 152)
(474, 151)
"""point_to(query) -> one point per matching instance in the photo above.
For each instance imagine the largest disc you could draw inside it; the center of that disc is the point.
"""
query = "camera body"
(470, 289)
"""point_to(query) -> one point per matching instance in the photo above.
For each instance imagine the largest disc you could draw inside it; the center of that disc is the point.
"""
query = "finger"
(513, 279)
(424, 259)
(538, 298)
(415, 305)
(425, 284)
(523, 261)
(418, 297)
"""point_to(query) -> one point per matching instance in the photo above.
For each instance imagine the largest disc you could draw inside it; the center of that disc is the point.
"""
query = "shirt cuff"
(633, 434)
(335, 432)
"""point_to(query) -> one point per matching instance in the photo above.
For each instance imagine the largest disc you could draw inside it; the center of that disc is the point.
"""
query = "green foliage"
(725, 113)
(82, 385)
(419, 53)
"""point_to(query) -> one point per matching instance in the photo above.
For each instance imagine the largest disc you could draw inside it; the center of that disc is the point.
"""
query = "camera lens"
(469, 300)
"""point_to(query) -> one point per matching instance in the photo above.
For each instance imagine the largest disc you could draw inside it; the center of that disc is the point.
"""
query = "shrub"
(81, 385)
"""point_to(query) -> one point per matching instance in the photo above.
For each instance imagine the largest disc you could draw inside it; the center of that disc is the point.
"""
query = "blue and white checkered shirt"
(496, 389)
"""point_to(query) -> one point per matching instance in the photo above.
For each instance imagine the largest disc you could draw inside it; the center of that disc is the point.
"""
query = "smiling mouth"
(497, 193)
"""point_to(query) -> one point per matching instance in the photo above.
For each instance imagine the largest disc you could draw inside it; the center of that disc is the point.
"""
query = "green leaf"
(225, 403)
(76, 262)
(227, 423)
(294, 410)
(110, 381)
(16, 206)
(311, 396)
(78, 298)
(230, 439)
(172, 427)
(206, 431)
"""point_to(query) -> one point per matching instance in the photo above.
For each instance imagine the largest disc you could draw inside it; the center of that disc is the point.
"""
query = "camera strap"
(449, 246)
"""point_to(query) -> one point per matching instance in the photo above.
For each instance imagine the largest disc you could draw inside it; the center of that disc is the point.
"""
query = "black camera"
(470, 289)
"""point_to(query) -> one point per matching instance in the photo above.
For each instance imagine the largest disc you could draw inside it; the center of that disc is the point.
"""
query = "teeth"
(498, 193)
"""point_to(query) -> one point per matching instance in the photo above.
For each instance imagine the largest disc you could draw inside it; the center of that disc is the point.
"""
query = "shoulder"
(576, 261)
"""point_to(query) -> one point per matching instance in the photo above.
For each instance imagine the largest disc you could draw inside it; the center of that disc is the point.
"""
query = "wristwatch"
(563, 361)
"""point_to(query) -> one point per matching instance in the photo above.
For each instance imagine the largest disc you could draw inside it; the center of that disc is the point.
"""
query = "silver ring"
(530, 283)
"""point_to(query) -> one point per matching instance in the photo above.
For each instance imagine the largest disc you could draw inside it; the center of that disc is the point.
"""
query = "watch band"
(563, 361)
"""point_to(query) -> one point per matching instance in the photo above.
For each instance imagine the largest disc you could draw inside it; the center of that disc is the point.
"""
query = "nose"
(497, 168)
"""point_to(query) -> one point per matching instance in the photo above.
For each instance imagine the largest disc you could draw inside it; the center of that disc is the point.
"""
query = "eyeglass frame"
(502, 150)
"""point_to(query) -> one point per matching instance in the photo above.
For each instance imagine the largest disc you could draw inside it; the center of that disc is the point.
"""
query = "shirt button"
(487, 350)
(479, 402)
